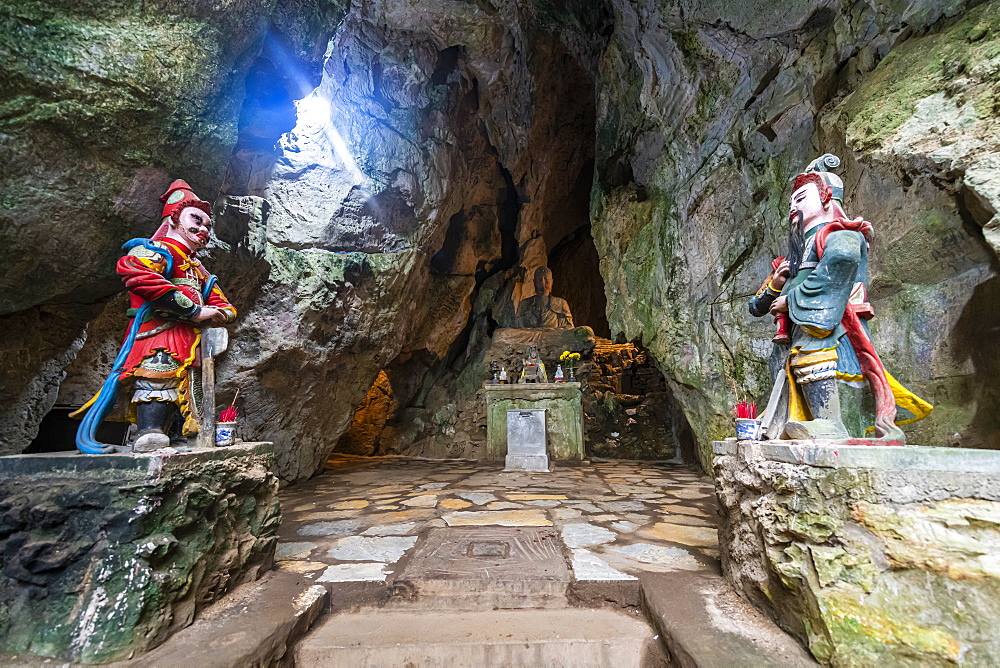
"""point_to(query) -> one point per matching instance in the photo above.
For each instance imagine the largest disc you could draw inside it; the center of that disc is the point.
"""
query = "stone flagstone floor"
(358, 520)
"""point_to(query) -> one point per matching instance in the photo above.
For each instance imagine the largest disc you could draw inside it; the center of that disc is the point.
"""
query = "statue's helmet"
(819, 171)
(178, 197)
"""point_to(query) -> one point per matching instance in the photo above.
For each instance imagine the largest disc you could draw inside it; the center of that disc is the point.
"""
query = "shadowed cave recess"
(387, 176)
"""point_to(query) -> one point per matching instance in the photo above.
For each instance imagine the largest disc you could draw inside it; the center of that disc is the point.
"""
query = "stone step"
(706, 624)
(570, 637)
(254, 625)
(469, 595)
(484, 568)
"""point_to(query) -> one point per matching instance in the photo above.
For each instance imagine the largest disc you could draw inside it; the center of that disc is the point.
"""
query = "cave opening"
(533, 211)
(57, 432)
(422, 405)
(576, 277)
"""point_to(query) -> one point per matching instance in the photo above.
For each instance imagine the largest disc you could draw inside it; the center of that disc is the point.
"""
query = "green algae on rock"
(109, 555)
(890, 562)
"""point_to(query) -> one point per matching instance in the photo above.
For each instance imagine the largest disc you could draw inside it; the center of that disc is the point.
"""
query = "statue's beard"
(796, 244)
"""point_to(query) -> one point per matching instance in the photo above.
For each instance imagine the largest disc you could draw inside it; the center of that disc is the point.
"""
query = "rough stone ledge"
(869, 555)
(151, 464)
(254, 625)
(907, 458)
(705, 623)
(106, 556)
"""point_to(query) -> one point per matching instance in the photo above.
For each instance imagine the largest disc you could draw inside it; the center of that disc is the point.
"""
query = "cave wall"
(435, 167)
(706, 109)
(437, 163)
(452, 156)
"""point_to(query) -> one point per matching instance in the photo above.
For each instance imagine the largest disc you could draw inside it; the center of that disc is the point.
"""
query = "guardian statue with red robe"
(155, 379)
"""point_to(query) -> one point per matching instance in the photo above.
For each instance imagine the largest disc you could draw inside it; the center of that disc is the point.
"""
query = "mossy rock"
(919, 67)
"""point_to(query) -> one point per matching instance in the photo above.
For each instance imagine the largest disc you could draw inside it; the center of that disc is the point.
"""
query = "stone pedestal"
(563, 418)
(871, 555)
(106, 556)
(526, 440)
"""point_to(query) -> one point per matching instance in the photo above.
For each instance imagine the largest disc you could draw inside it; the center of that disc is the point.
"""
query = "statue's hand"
(209, 313)
(780, 305)
(779, 276)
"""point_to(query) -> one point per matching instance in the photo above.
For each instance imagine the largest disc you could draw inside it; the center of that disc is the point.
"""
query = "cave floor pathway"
(364, 516)
(459, 563)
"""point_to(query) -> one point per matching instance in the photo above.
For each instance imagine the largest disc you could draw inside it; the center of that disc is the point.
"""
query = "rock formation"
(101, 105)
(869, 559)
(389, 172)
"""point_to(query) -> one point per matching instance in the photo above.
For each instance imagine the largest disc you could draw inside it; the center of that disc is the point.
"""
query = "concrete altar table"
(564, 417)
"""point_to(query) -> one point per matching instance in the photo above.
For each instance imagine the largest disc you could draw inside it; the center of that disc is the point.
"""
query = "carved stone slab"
(478, 568)
(526, 440)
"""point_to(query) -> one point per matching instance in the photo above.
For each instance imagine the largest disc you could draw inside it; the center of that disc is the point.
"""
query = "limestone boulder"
(866, 554)
(107, 556)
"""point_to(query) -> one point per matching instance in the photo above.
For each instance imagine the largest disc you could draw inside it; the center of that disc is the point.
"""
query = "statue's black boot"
(823, 397)
(152, 418)
(176, 432)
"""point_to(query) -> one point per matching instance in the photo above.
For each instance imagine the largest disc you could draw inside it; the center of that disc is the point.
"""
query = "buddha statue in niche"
(544, 310)
(541, 321)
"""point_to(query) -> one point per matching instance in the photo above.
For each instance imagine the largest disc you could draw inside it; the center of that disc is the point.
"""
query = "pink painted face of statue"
(193, 228)
(806, 206)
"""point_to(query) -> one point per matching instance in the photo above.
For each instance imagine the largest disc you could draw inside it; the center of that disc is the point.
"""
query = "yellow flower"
(565, 355)
(574, 356)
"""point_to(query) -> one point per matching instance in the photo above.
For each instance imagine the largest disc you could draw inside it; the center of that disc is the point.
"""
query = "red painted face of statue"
(193, 228)
(805, 205)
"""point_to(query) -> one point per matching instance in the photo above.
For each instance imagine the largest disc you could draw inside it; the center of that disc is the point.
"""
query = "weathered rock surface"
(889, 556)
(437, 164)
(109, 555)
(389, 228)
(629, 411)
(386, 222)
(705, 623)
(706, 109)
(256, 625)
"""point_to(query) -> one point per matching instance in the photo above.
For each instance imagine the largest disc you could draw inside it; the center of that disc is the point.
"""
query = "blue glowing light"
(313, 109)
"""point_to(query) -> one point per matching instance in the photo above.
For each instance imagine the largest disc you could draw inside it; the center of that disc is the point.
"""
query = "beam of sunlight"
(315, 123)
(315, 115)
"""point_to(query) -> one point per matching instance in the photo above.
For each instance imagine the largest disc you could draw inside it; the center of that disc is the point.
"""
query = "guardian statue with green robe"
(834, 385)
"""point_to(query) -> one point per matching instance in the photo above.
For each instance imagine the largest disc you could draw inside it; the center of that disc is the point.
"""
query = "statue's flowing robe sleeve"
(560, 307)
(522, 317)
(760, 303)
(175, 299)
(817, 304)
